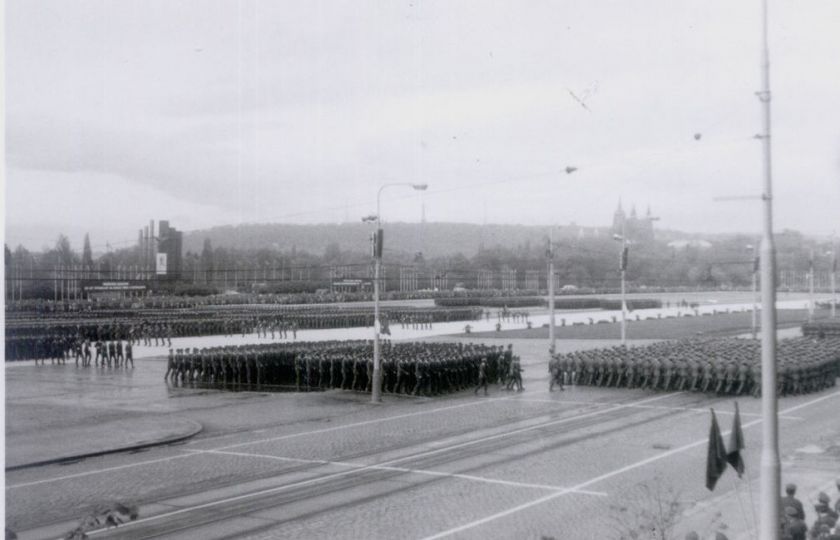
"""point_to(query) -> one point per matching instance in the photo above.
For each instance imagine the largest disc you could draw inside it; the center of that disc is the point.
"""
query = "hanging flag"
(736, 444)
(716, 457)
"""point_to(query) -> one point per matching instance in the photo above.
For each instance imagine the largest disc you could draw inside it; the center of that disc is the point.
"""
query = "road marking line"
(259, 441)
(289, 436)
(384, 467)
(97, 471)
(663, 407)
(610, 474)
(371, 467)
(364, 423)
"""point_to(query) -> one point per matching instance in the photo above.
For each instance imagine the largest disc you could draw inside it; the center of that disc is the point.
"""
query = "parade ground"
(203, 463)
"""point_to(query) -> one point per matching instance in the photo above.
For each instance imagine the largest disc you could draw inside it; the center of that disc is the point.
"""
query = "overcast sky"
(222, 112)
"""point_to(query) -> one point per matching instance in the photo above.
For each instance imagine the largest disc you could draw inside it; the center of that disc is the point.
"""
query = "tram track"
(561, 429)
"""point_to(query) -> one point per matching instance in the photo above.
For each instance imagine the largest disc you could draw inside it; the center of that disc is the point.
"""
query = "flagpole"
(770, 464)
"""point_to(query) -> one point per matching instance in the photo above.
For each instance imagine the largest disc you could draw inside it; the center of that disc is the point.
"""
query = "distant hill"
(432, 239)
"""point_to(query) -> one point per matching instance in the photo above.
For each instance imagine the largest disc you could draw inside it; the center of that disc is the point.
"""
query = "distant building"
(170, 243)
(635, 228)
(160, 255)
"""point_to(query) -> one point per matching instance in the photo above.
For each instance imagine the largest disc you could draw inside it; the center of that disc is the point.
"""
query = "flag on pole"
(716, 456)
(736, 444)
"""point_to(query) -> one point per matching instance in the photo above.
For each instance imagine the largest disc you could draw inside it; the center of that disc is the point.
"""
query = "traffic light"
(622, 265)
(376, 241)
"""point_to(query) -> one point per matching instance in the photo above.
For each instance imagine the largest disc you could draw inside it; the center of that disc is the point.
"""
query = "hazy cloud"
(225, 111)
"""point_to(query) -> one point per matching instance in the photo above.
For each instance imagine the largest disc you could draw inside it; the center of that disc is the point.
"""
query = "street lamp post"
(754, 291)
(623, 267)
(376, 387)
(833, 279)
(812, 302)
(550, 254)
(550, 278)
(770, 462)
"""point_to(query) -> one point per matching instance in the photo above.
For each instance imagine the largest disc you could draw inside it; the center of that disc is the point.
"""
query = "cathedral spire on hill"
(637, 229)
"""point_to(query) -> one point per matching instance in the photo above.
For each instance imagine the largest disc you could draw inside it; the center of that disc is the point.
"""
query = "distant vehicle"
(568, 288)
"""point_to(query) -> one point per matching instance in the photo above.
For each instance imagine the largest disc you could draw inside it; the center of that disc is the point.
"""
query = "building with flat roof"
(161, 255)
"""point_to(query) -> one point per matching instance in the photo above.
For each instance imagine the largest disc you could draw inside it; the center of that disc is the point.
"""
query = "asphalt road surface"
(582, 463)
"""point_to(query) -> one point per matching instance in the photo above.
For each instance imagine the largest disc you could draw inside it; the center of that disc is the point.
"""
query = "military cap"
(790, 488)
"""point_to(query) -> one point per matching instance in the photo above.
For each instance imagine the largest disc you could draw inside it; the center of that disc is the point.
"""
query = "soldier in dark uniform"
(170, 365)
(402, 384)
(86, 354)
(419, 376)
(99, 354)
(667, 373)
(790, 500)
(119, 359)
(369, 373)
(708, 375)
(556, 373)
(482, 376)
(743, 372)
(515, 377)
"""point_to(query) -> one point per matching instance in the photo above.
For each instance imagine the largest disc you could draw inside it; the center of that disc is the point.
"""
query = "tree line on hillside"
(584, 263)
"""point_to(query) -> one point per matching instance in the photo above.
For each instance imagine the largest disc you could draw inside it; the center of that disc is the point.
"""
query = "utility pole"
(770, 463)
(623, 268)
(755, 302)
(812, 302)
(550, 255)
(376, 387)
(833, 278)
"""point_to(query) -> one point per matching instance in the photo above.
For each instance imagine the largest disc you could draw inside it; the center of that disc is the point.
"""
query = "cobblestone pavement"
(317, 465)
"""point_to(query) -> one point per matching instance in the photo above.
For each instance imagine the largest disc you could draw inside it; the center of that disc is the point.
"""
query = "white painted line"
(97, 471)
(610, 474)
(364, 423)
(384, 467)
(528, 428)
(373, 467)
(259, 441)
(663, 407)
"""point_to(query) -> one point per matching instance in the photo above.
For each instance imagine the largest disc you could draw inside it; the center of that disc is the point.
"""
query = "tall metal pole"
(623, 286)
(812, 302)
(833, 278)
(755, 302)
(770, 464)
(550, 253)
(376, 392)
(376, 388)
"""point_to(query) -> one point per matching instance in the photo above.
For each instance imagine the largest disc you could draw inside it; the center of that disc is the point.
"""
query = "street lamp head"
(618, 237)
(369, 219)
(420, 187)
(570, 169)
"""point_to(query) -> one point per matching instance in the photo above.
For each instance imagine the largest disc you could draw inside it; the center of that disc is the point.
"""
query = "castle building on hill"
(635, 228)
